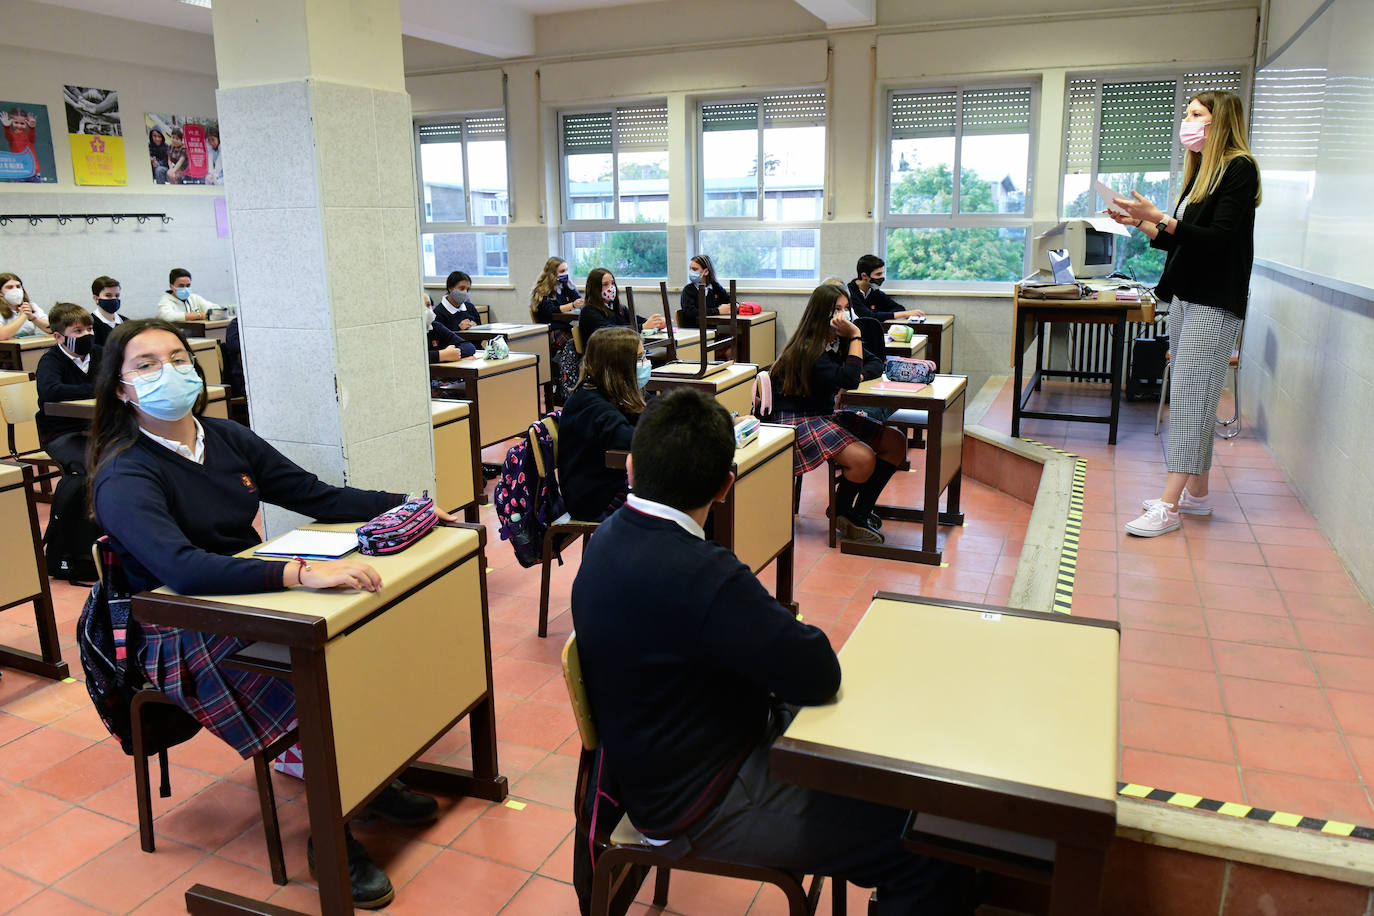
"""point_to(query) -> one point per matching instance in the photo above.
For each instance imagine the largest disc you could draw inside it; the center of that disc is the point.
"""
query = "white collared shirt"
(198, 455)
(98, 315)
(82, 362)
(448, 304)
(659, 510)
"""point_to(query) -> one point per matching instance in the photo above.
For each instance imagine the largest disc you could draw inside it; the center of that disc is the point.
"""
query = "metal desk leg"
(1019, 361)
(1040, 327)
(1118, 353)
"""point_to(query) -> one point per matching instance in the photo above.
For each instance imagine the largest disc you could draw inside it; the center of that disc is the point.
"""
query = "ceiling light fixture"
(200, 3)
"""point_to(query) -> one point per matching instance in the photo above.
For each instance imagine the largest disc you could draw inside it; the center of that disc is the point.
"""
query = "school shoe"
(400, 805)
(1188, 504)
(1158, 519)
(851, 530)
(372, 889)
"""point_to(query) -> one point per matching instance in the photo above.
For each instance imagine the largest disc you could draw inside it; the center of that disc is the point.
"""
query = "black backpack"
(109, 640)
(71, 532)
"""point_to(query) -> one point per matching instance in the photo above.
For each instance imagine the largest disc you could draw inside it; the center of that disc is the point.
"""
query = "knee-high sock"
(867, 496)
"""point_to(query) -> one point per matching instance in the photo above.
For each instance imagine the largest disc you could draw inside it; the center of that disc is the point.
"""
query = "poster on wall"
(27, 153)
(96, 136)
(184, 150)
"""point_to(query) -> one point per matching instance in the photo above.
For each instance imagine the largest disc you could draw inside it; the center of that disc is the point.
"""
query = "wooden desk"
(1039, 314)
(457, 475)
(378, 678)
(688, 342)
(217, 329)
(21, 354)
(915, 348)
(943, 402)
(503, 393)
(1004, 720)
(755, 520)
(939, 331)
(758, 342)
(733, 386)
(216, 405)
(525, 338)
(205, 351)
(24, 574)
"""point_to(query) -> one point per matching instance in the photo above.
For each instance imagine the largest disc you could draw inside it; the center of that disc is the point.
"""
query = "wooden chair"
(18, 406)
(563, 527)
(143, 705)
(626, 846)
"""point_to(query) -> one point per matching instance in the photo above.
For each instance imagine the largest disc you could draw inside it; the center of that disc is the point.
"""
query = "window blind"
(1080, 126)
(1136, 132)
(794, 109)
(587, 132)
(1285, 122)
(996, 111)
(1193, 83)
(442, 133)
(926, 114)
(730, 116)
(486, 127)
(644, 127)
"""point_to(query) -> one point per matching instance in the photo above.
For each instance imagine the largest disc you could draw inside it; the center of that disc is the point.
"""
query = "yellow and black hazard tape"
(1249, 813)
(1073, 531)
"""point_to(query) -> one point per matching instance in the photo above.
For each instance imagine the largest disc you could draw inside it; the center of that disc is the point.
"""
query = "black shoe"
(874, 521)
(490, 471)
(372, 889)
(399, 805)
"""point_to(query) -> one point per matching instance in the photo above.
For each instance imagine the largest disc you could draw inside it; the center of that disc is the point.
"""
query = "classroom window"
(1124, 132)
(956, 202)
(615, 190)
(464, 195)
(762, 188)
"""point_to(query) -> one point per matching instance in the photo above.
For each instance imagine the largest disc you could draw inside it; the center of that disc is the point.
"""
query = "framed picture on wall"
(96, 135)
(184, 150)
(27, 152)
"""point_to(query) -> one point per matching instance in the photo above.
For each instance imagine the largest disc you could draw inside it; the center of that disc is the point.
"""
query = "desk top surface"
(484, 366)
(202, 343)
(509, 327)
(11, 475)
(1026, 700)
(30, 343)
(682, 336)
(944, 321)
(765, 315)
(206, 322)
(916, 343)
(13, 376)
(85, 407)
(731, 375)
(772, 439)
(341, 608)
(448, 411)
(942, 387)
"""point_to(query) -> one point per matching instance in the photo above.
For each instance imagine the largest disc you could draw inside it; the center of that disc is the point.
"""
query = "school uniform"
(28, 328)
(873, 304)
(589, 426)
(102, 326)
(689, 302)
(64, 377)
(437, 337)
(452, 316)
(713, 658)
(822, 431)
(175, 516)
(1206, 281)
(550, 305)
(170, 308)
(593, 318)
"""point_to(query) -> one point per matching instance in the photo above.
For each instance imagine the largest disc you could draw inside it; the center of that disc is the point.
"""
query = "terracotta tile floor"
(1215, 634)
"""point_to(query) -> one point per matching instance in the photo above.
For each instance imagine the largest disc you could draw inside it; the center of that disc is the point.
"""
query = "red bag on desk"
(750, 308)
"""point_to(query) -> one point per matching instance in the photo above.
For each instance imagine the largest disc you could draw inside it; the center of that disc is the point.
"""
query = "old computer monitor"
(1092, 249)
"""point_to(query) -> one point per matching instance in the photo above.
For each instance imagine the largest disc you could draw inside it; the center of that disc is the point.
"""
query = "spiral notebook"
(310, 545)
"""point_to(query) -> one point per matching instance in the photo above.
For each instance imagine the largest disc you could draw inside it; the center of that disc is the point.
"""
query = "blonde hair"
(1225, 141)
(546, 284)
(835, 281)
(609, 365)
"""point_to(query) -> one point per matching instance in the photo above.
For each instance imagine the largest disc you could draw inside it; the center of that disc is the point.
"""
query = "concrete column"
(320, 182)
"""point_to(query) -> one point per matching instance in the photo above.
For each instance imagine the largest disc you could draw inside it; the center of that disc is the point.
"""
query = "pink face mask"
(1193, 135)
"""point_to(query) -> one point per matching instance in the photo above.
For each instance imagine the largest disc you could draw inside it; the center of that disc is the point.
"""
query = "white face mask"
(15, 295)
(429, 318)
(608, 294)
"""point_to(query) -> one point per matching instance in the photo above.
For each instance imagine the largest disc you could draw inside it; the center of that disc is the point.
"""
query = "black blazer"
(1212, 248)
(592, 319)
(716, 296)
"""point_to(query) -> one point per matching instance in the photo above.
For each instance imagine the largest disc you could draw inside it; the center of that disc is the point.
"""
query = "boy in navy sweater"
(67, 373)
(867, 300)
(713, 658)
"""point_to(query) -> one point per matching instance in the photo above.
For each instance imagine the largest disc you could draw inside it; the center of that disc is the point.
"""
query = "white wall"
(159, 70)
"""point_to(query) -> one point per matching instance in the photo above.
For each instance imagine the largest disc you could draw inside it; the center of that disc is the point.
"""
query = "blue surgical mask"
(643, 370)
(171, 395)
(563, 278)
(109, 305)
(694, 276)
(182, 292)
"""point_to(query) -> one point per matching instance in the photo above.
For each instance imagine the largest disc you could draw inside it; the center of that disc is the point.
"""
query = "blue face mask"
(694, 276)
(182, 292)
(562, 278)
(171, 395)
(109, 305)
(643, 370)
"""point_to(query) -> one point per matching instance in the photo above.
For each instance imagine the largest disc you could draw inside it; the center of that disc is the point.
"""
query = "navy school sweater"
(177, 523)
(60, 379)
(588, 426)
(831, 373)
(877, 304)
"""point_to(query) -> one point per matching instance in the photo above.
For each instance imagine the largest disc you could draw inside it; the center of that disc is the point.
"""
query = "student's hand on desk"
(724, 309)
(334, 573)
(447, 518)
(572, 306)
(913, 313)
(654, 323)
(450, 354)
(465, 324)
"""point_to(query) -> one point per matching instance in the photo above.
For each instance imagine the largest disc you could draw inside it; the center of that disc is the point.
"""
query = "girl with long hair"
(600, 415)
(824, 357)
(1210, 239)
(19, 317)
(701, 271)
(554, 292)
(177, 493)
(603, 308)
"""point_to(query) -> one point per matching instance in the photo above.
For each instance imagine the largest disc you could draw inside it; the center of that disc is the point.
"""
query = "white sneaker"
(1188, 504)
(1158, 519)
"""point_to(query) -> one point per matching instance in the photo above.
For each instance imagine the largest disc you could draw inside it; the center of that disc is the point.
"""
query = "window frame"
(702, 223)
(956, 219)
(468, 225)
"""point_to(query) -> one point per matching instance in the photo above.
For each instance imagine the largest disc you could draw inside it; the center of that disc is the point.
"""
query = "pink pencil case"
(396, 529)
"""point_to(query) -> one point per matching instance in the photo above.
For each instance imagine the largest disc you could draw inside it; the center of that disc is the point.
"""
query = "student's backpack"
(108, 640)
(525, 514)
(71, 532)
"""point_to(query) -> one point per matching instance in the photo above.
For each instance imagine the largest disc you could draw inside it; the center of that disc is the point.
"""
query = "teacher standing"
(1210, 240)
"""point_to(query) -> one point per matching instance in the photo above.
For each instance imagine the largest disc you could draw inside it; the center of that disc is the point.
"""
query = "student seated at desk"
(444, 345)
(105, 295)
(554, 292)
(177, 494)
(19, 317)
(701, 271)
(713, 659)
(604, 310)
(455, 310)
(66, 372)
(807, 377)
(868, 300)
(178, 303)
(600, 415)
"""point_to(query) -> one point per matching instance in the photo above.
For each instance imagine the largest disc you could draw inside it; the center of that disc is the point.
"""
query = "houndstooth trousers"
(1201, 341)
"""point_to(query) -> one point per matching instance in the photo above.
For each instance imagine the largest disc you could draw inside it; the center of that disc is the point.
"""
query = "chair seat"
(625, 834)
(908, 417)
(563, 519)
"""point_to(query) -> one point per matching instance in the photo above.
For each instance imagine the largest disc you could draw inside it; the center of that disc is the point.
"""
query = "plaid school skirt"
(820, 438)
(246, 711)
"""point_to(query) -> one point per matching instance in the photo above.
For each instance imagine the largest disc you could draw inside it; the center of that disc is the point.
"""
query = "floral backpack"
(524, 514)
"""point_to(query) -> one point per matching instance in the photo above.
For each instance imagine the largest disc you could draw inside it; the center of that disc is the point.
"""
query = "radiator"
(1090, 345)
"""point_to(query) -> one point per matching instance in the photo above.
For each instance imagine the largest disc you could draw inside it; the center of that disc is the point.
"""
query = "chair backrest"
(550, 424)
(577, 340)
(874, 337)
(577, 693)
(18, 405)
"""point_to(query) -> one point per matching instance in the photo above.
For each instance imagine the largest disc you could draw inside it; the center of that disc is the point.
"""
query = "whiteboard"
(1312, 131)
